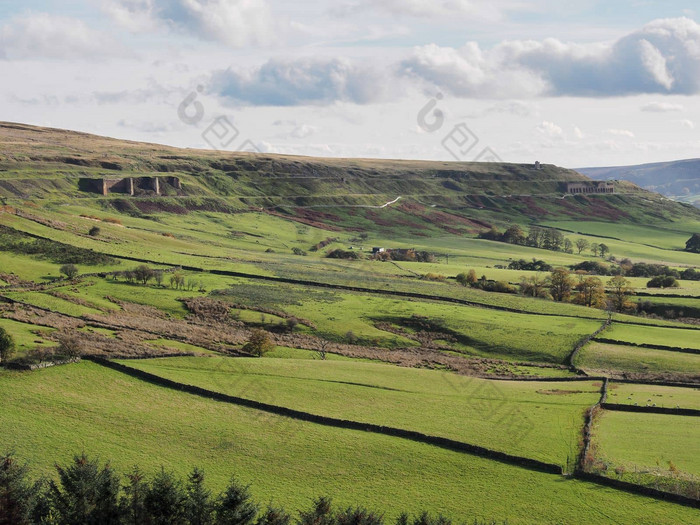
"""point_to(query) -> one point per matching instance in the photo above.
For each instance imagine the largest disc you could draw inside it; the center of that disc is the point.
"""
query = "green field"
(662, 396)
(641, 335)
(599, 357)
(26, 336)
(648, 441)
(536, 420)
(55, 413)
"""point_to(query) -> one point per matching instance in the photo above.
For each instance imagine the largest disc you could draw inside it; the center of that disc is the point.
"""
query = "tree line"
(562, 285)
(546, 239)
(86, 492)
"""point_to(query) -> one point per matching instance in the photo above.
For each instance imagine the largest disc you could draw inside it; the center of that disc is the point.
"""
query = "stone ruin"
(129, 185)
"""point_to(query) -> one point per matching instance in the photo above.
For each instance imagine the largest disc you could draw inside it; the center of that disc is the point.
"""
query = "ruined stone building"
(598, 186)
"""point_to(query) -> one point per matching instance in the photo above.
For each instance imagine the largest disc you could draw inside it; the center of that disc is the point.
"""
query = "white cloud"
(655, 63)
(620, 132)
(41, 35)
(236, 23)
(551, 130)
(686, 123)
(491, 10)
(662, 57)
(661, 107)
(469, 72)
(305, 81)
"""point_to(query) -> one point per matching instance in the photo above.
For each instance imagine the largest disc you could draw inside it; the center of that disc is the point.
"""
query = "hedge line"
(637, 489)
(571, 358)
(620, 407)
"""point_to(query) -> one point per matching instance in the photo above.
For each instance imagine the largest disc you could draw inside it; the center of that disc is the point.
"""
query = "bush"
(291, 323)
(434, 277)
(143, 274)
(691, 274)
(344, 254)
(496, 286)
(7, 345)
(69, 270)
(650, 270)
(535, 265)
(592, 267)
(94, 231)
(663, 281)
(70, 346)
(468, 278)
(298, 251)
(259, 343)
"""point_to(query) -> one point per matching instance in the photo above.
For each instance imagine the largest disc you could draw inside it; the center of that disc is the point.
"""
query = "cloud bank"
(41, 35)
(235, 23)
(662, 57)
(304, 81)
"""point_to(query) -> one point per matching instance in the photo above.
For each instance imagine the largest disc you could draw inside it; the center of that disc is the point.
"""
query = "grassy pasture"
(364, 273)
(26, 336)
(602, 358)
(669, 236)
(538, 420)
(50, 415)
(481, 332)
(654, 336)
(648, 441)
(662, 396)
(55, 304)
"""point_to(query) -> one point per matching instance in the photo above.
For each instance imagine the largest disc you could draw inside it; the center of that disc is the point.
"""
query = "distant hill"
(679, 179)
(405, 197)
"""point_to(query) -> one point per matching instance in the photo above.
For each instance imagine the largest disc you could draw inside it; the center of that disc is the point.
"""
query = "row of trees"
(545, 238)
(564, 286)
(86, 493)
(143, 274)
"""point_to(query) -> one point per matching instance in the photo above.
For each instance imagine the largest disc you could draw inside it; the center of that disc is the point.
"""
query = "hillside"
(402, 338)
(679, 179)
(49, 164)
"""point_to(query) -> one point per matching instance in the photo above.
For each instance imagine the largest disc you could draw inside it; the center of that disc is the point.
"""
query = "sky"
(578, 84)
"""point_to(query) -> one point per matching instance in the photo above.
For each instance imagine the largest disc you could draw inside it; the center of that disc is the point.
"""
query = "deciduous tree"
(560, 284)
(581, 244)
(534, 286)
(620, 292)
(259, 343)
(591, 292)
